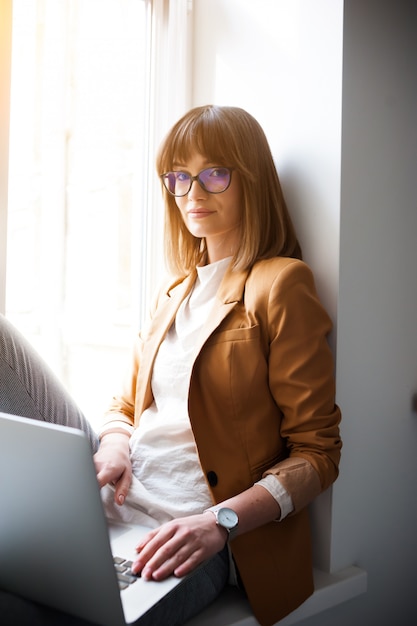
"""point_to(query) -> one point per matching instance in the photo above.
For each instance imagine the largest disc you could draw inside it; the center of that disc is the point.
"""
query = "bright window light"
(77, 185)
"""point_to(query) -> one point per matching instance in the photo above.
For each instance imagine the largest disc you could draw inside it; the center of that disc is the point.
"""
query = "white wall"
(283, 62)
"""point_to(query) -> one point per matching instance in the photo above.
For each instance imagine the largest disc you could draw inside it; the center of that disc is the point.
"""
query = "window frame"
(170, 96)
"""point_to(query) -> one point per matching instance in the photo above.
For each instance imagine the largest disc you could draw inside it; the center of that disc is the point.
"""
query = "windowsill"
(330, 589)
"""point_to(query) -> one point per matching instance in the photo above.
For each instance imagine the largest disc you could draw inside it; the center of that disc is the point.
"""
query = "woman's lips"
(199, 213)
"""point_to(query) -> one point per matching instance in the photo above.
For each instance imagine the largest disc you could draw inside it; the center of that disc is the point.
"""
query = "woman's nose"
(196, 190)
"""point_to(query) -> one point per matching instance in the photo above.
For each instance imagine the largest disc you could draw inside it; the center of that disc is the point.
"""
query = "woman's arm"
(179, 546)
(301, 379)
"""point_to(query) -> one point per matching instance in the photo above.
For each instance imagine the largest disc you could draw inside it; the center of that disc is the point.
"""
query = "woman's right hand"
(113, 466)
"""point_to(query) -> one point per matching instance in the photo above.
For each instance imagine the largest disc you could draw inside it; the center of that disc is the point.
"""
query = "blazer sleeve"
(121, 410)
(301, 372)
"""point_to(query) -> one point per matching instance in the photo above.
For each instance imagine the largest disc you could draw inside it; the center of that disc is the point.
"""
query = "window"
(84, 231)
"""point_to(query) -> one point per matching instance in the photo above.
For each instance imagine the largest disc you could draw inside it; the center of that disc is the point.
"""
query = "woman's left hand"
(179, 546)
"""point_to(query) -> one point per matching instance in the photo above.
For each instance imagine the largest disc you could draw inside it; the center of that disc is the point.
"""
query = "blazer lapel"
(162, 320)
(229, 294)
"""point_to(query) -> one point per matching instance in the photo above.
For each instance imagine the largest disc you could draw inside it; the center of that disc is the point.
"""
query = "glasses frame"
(197, 178)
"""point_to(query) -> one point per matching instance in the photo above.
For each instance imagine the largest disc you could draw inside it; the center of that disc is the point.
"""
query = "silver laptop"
(56, 546)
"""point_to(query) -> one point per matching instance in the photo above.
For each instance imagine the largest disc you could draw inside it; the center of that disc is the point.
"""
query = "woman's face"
(216, 217)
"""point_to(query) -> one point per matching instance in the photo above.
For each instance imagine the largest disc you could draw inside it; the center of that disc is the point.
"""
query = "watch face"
(227, 518)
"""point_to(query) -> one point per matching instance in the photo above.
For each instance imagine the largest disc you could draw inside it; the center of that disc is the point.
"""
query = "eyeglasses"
(212, 179)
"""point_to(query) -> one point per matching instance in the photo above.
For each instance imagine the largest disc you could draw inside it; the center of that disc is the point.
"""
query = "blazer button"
(212, 478)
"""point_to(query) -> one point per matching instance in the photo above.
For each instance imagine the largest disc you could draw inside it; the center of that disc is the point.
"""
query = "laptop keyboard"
(125, 575)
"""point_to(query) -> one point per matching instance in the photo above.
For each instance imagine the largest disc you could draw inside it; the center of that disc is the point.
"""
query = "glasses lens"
(215, 179)
(177, 183)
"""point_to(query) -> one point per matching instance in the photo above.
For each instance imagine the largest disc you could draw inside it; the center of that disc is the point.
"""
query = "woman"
(226, 427)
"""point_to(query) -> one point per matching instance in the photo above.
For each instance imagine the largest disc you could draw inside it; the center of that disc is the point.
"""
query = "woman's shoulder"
(280, 268)
(282, 283)
(278, 276)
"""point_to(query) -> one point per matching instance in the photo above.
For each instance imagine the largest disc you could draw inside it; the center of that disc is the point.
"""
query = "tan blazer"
(262, 401)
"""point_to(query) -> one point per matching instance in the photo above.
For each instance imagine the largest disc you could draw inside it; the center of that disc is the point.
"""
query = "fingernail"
(147, 574)
(121, 499)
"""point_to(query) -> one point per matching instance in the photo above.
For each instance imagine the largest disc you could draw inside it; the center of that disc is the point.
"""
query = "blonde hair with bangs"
(231, 137)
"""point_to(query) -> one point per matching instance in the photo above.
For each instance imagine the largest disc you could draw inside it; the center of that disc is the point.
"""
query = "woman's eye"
(219, 172)
(182, 177)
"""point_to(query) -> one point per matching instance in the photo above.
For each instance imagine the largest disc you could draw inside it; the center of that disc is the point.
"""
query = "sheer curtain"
(89, 91)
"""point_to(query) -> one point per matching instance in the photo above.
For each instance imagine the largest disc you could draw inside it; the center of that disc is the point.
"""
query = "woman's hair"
(231, 137)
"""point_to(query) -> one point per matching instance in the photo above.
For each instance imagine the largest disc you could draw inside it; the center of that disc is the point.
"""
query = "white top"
(168, 481)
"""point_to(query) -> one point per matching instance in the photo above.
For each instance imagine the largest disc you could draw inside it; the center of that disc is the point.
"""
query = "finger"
(103, 476)
(108, 474)
(182, 553)
(157, 548)
(105, 472)
(159, 534)
(146, 539)
(122, 487)
(162, 565)
(147, 548)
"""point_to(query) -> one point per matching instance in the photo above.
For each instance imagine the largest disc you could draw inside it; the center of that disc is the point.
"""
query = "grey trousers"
(30, 389)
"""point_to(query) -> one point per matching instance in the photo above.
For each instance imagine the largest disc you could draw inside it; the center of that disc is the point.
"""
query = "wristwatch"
(226, 518)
